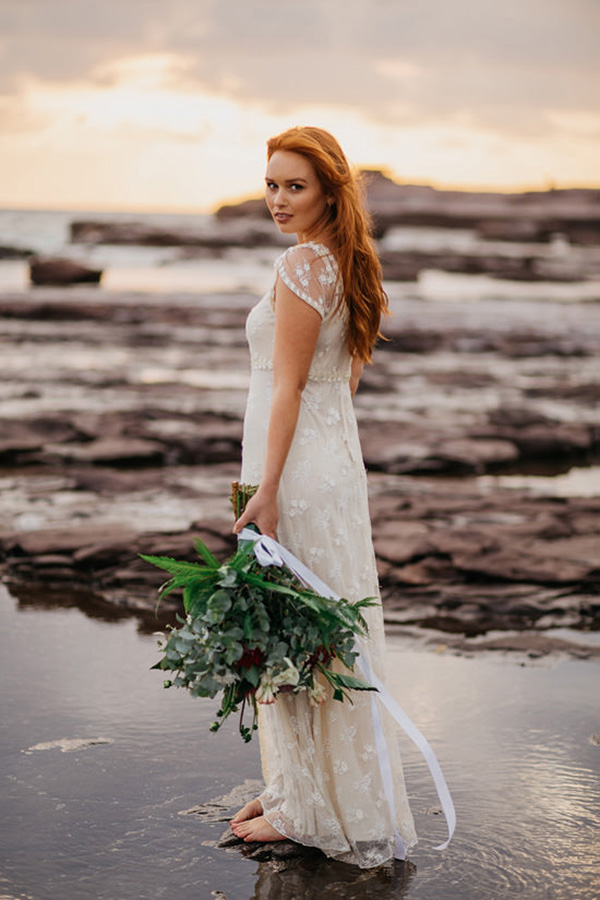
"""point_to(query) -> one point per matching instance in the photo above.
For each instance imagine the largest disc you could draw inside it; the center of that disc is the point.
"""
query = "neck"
(315, 236)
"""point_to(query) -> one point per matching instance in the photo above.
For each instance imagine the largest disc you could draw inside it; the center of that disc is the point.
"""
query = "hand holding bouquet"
(252, 631)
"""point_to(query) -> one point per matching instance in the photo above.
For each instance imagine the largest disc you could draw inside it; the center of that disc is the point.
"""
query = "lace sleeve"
(310, 271)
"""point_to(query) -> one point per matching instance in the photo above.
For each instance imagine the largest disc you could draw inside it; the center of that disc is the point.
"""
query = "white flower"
(229, 678)
(317, 694)
(266, 690)
(290, 676)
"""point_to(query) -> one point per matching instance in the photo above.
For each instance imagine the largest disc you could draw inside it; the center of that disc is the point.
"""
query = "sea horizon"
(547, 187)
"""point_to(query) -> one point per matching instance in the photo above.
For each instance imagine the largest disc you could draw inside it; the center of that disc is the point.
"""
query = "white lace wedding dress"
(320, 765)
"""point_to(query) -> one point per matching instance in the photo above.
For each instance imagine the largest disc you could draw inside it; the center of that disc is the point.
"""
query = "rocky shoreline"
(529, 216)
(120, 431)
(535, 236)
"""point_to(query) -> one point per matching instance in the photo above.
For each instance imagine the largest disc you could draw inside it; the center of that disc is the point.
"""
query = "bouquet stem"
(240, 494)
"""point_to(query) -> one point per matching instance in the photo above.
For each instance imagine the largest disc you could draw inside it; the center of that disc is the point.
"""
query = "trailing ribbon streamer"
(269, 552)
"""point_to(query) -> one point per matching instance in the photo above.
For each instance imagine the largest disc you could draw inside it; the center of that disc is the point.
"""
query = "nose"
(278, 199)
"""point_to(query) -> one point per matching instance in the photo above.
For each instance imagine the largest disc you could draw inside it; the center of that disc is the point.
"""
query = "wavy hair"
(348, 226)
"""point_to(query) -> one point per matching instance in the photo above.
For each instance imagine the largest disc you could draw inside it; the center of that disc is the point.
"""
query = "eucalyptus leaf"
(352, 682)
(244, 624)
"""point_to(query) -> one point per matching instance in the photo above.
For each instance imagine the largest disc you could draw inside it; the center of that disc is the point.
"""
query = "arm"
(357, 368)
(297, 328)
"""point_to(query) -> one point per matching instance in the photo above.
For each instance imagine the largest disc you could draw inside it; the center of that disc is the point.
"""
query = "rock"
(19, 438)
(385, 452)
(402, 266)
(268, 850)
(399, 552)
(68, 745)
(135, 453)
(519, 230)
(7, 252)
(52, 541)
(544, 441)
(475, 455)
(513, 565)
(62, 272)
(234, 232)
(220, 809)
(117, 451)
(427, 571)
(529, 216)
(413, 340)
(519, 417)
(255, 208)
(536, 646)
(588, 392)
(406, 265)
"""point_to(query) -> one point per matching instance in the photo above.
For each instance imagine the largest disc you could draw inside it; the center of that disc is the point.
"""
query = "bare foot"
(257, 829)
(249, 811)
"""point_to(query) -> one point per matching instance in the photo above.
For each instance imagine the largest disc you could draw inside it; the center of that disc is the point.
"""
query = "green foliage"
(250, 632)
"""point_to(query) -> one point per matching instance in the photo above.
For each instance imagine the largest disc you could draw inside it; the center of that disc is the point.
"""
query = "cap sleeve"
(310, 271)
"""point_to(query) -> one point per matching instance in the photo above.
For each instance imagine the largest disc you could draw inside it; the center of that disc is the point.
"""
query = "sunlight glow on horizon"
(139, 137)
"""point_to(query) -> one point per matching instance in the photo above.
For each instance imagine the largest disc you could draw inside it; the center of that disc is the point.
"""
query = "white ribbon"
(269, 552)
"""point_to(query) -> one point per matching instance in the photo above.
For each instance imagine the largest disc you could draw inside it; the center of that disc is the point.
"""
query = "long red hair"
(348, 227)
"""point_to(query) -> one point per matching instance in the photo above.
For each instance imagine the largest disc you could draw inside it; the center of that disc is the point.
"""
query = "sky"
(140, 104)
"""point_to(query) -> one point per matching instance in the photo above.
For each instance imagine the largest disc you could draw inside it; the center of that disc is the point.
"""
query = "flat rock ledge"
(125, 439)
(451, 558)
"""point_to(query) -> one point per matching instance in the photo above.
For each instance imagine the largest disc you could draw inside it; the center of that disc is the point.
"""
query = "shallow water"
(104, 822)
(168, 269)
(578, 481)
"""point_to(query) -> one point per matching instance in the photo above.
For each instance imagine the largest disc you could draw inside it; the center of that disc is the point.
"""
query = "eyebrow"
(289, 180)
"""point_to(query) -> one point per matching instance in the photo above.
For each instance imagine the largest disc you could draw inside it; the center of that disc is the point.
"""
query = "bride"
(309, 339)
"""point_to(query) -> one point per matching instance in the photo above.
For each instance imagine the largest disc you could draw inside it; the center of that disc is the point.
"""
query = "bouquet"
(252, 632)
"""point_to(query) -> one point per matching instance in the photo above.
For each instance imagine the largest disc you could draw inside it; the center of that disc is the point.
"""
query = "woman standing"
(309, 339)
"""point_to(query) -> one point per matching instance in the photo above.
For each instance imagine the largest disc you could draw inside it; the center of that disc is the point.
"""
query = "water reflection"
(106, 822)
(41, 597)
(321, 879)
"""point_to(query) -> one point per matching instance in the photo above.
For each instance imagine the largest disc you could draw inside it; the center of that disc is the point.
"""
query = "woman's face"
(294, 195)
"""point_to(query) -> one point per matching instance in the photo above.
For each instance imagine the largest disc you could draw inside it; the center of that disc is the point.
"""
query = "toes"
(249, 811)
(257, 829)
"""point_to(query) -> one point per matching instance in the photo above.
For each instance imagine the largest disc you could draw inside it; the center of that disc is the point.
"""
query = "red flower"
(250, 658)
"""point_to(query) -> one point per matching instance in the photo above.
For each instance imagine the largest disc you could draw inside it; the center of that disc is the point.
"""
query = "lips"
(282, 217)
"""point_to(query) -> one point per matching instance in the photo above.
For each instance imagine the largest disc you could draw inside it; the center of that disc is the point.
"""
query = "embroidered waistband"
(267, 366)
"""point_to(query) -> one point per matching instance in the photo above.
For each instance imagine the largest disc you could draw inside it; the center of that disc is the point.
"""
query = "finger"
(239, 523)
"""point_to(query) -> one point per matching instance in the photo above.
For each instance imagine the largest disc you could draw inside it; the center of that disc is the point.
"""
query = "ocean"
(132, 268)
(157, 270)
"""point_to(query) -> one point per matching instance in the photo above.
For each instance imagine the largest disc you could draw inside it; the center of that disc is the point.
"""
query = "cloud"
(504, 64)
(458, 91)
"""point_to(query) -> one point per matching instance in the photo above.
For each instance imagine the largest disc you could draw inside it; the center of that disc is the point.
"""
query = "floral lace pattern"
(311, 272)
(321, 769)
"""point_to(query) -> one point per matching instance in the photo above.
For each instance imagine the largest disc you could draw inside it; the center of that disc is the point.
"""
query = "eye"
(297, 187)
(271, 185)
